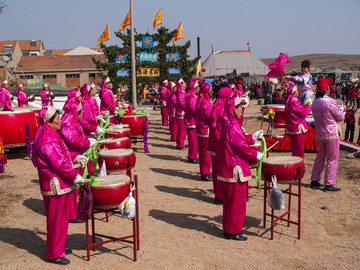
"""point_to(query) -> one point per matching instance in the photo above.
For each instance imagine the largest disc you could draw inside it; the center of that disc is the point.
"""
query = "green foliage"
(162, 44)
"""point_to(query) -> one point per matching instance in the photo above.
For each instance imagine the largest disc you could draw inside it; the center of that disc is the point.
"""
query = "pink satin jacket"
(202, 115)
(22, 99)
(234, 154)
(190, 105)
(45, 100)
(295, 114)
(5, 101)
(163, 96)
(180, 103)
(171, 104)
(327, 116)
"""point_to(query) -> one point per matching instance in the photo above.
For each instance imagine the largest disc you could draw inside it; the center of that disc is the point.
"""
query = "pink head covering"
(70, 117)
(84, 90)
(44, 133)
(44, 85)
(178, 84)
(224, 93)
(73, 94)
(163, 82)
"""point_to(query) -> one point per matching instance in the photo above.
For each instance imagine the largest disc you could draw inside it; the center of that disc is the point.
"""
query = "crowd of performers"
(59, 145)
(215, 135)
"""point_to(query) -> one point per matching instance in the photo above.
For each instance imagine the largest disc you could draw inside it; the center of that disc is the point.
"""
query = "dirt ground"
(180, 226)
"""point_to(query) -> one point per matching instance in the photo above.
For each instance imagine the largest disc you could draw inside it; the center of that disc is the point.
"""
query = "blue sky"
(271, 26)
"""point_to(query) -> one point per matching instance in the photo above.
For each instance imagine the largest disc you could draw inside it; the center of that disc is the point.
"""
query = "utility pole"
(133, 56)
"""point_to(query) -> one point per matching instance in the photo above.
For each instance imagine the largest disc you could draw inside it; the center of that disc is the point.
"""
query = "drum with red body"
(117, 143)
(12, 127)
(284, 167)
(135, 122)
(117, 159)
(111, 190)
(279, 118)
(118, 133)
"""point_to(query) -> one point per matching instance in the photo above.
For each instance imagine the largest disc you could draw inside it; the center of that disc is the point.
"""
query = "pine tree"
(161, 40)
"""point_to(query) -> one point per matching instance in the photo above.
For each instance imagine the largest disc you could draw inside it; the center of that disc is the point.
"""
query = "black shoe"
(192, 161)
(238, 236)
(216, 201)
(331, 188)
(76, 221)
(205, 178)
(68, 251)
(62, 261)
(315, 185)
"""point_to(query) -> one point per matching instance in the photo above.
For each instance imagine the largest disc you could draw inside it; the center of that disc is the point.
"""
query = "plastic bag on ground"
(103, 171)
(128, 206)
(276, 196)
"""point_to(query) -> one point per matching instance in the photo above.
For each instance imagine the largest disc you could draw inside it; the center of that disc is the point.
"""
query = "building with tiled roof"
(63, 70)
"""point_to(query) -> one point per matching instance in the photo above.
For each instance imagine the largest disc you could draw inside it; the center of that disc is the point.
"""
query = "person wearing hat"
(327, 116)
(56, 177)
(296, 126)
(88, 121)
(108, 101)
(239, 88)
(202, 115)
(93, 101)
(22, 98)
(76, 141)
(163, 98)
(214, 136)
(190, 105)
(5, 97)
(179, 113)
(46, 96)
(304, 82)
(170, 107)
(232, 159)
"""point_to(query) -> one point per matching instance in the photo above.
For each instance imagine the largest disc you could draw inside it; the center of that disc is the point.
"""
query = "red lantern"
(203, 70)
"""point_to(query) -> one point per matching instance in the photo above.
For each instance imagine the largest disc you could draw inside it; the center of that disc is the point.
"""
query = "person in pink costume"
(76, 141)
(88, 121)
(327, 116)
(94, 102)
(202, 115)
(190, 105)
(108, 101)
(232, 158)
(180, 113)
(73, 94)
(21, 96)
(296, 126)
(56, 177)
(304, 82)
(5, 97)
(163, 98)
(46, 96)
(214, 135)
(239, 90)
(170, 107)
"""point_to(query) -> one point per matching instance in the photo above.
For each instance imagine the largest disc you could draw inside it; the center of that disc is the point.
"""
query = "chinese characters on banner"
(152, 72)
(174, 70)
(148, 56)
(122, 72)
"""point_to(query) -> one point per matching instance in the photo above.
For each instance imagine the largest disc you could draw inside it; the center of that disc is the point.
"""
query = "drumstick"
(92, 151)
(104, 140)
(271, 147)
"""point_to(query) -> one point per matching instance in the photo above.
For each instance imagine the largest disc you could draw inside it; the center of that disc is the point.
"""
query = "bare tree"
(2, 6)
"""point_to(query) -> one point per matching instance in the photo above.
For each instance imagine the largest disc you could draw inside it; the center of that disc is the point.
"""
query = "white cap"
(173, 84)
(196, 84)
(5, 82)
(49, 113)
(181, 80)
(45, 85)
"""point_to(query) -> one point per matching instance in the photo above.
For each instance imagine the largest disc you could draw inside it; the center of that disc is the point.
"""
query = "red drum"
(111, 190)
(119, 133)
(117, 143)
(279, 118)
(284, 167)
(116, 159)
(135, 122)
(12, 128)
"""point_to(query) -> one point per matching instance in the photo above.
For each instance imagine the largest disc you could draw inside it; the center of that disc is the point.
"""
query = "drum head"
(119, 130)
(120, 126)
(116, 153)
(282, 160)
(112, 181)
(278, 106)
(114, 140)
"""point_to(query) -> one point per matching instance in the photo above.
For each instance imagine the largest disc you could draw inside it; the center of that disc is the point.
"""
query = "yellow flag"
(198, 70)
(179, 33)
(104, 36)
(125, 23)
(158, 18)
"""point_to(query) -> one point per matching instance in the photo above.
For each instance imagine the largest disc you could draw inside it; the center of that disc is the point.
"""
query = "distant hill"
(347, 62)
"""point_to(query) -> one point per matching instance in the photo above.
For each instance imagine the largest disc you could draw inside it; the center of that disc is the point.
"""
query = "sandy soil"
(180, 226)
